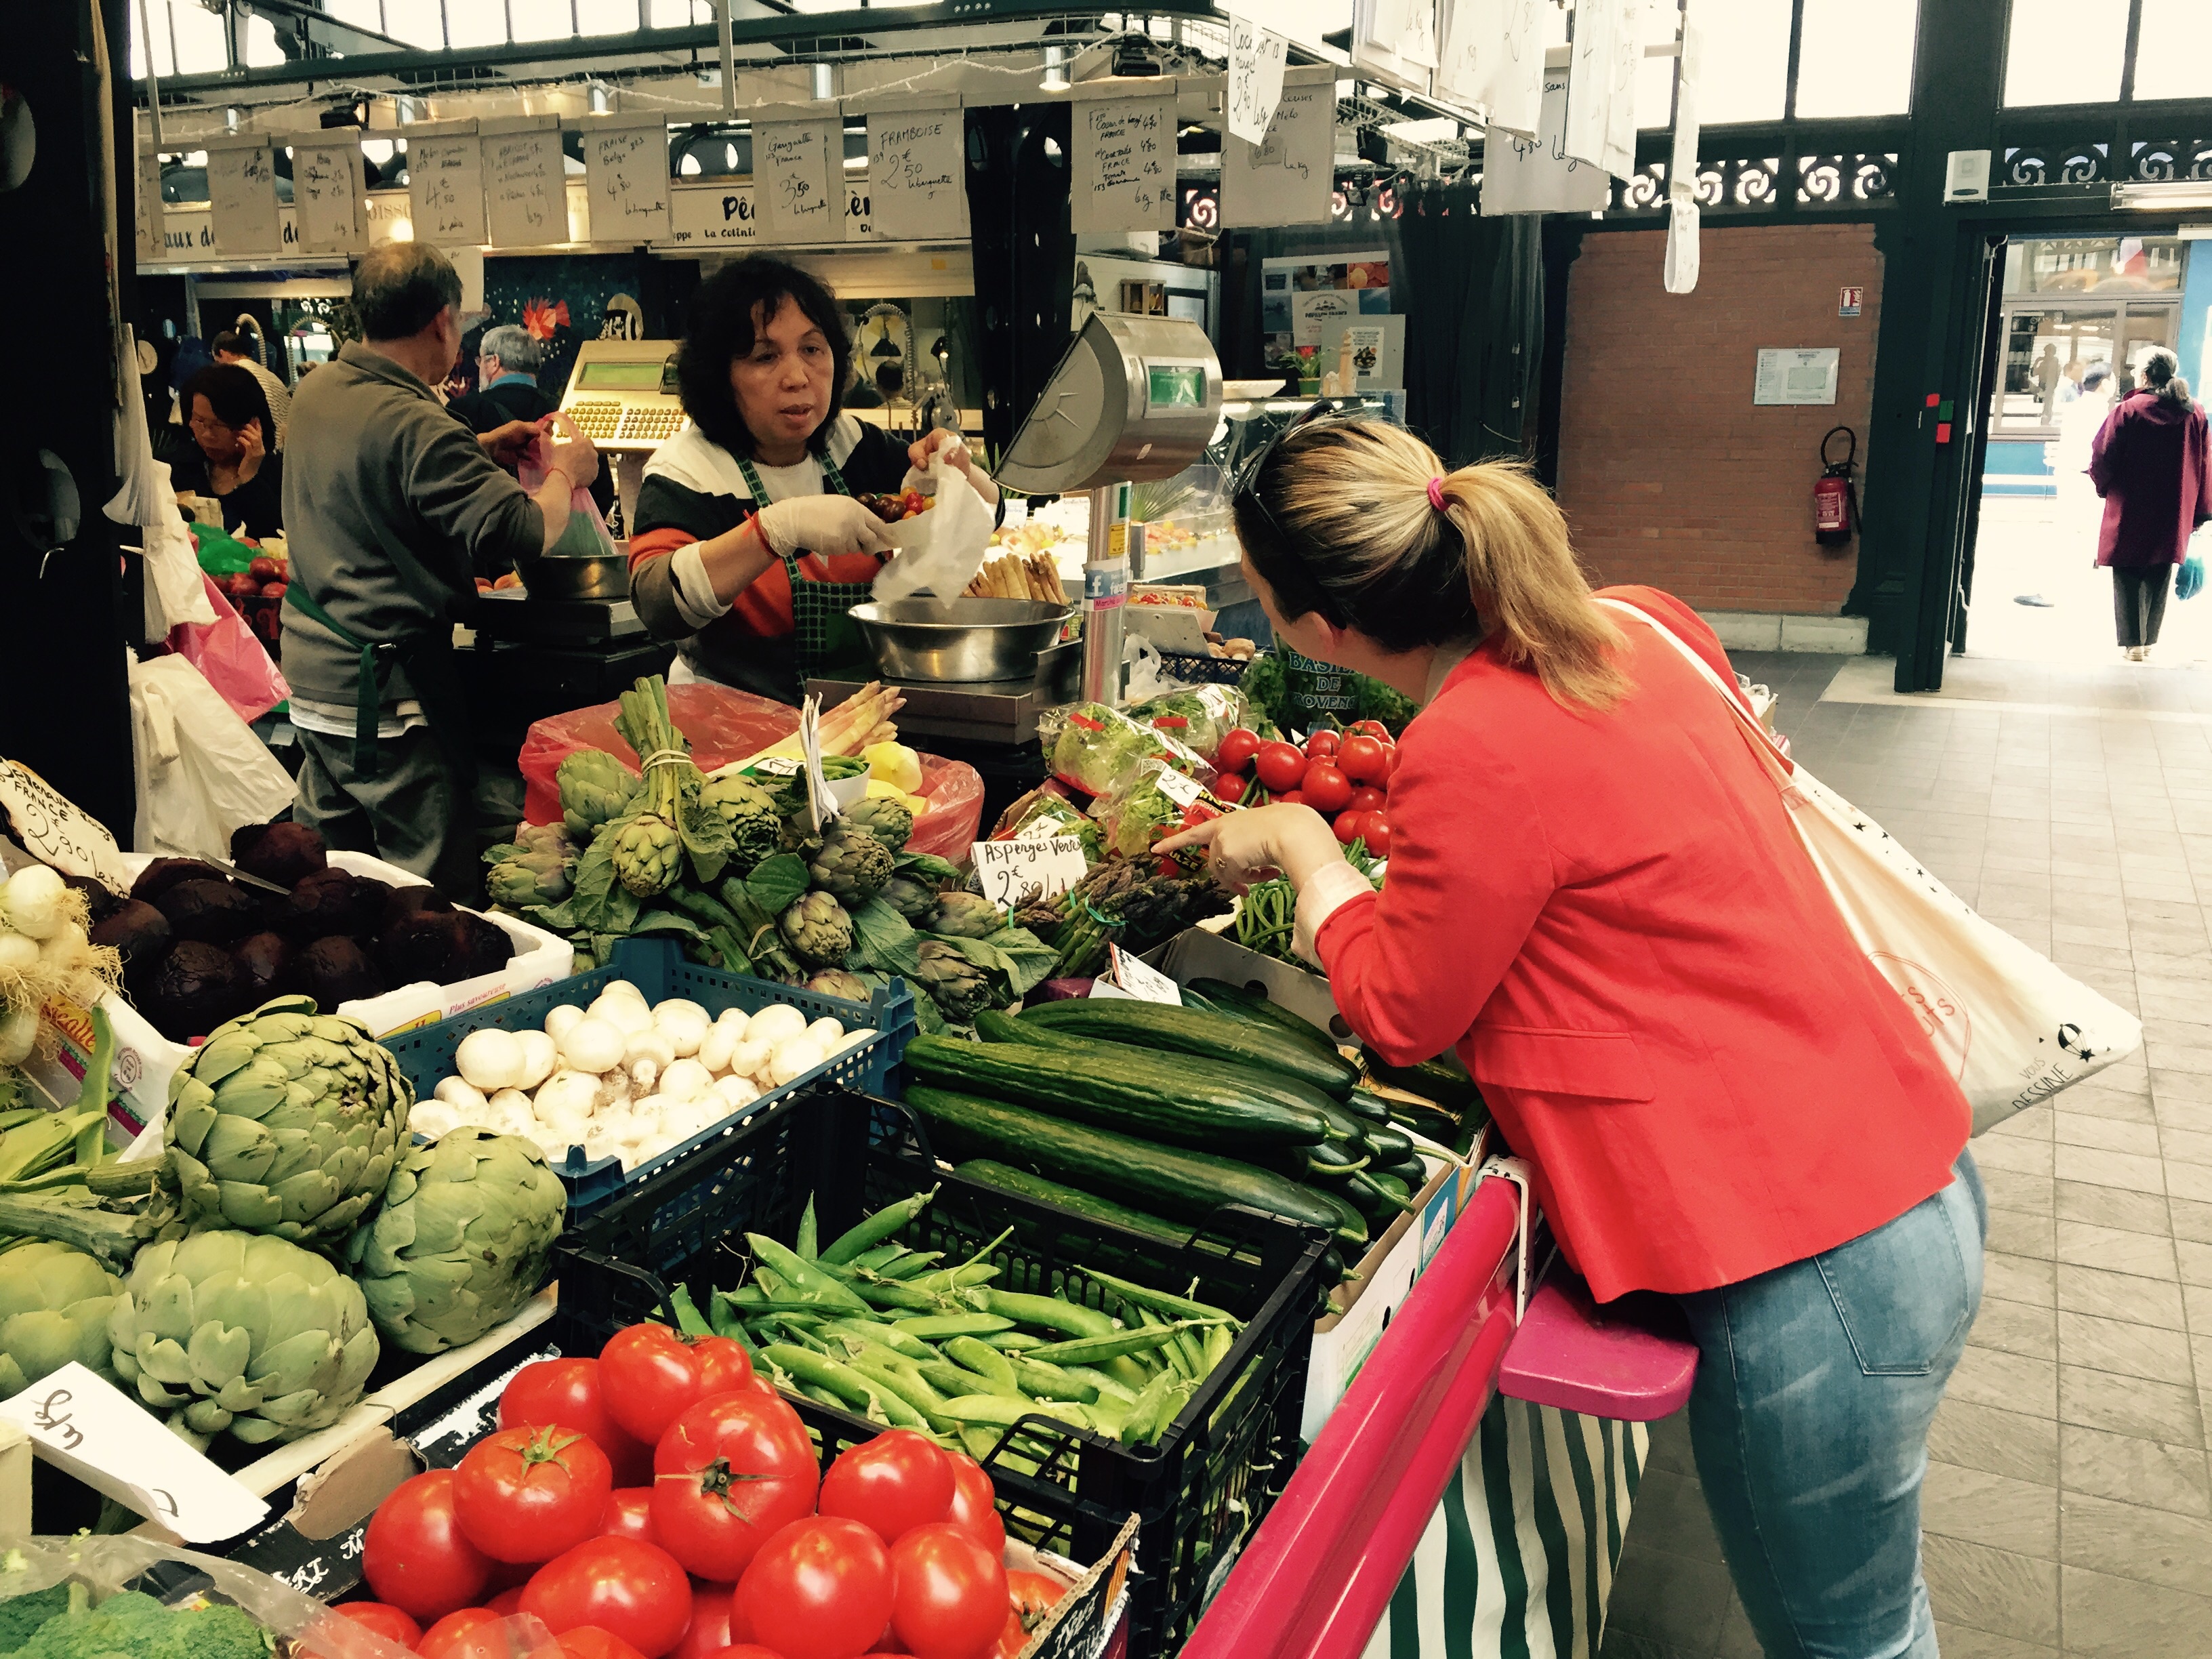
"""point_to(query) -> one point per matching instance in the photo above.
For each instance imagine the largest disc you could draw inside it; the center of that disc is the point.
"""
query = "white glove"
(823, 525)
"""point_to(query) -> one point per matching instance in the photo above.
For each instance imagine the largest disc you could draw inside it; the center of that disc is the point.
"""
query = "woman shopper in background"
(236, 460)
(1596, 894)
(2150, 464)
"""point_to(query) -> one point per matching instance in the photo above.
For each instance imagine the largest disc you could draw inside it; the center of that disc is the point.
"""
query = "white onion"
(34, 900)
(562, 1020)
(18, 953)
(592, 1045)
(489, 1060)
(19, 1035)
(63, 945)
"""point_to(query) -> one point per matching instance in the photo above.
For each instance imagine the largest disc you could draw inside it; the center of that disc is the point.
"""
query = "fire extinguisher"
(1835, 496)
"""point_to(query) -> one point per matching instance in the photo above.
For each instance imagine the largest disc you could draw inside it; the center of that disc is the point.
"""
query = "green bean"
(806, 1243)
(1049, 1313)
(996, 1411)
(980, 1357)
(1181, 1307)
(811, 1284)
(877, 1228)
(1045, 1381)
(935, 1328)
(1087, 1349)
(911, 1393)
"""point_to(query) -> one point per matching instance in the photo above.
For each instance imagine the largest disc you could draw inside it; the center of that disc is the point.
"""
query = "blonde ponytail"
(1341, 519)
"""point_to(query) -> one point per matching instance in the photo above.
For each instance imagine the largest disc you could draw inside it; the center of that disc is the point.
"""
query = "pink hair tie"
(1437, 494)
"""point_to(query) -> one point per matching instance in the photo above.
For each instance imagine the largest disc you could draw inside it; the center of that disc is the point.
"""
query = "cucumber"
(1350, 1226)
(1185, 1105)
(1241, 1004)
(1442, 1080)
(1186, 1185)
(994, 1026)
(1211, 1037)
(1412, 1172)
(1006, 1179)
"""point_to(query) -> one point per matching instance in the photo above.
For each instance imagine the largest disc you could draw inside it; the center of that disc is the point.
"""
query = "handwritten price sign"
(1013, 871)
(1255, 77)
(58, 831)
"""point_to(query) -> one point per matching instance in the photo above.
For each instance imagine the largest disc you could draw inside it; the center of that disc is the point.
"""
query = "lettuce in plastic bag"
(1099, 748)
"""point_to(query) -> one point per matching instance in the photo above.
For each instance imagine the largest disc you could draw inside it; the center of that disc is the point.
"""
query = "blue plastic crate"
(659, 968)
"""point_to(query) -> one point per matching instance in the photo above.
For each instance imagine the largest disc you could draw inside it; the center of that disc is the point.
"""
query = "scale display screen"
(610, 376)
(1175, 386)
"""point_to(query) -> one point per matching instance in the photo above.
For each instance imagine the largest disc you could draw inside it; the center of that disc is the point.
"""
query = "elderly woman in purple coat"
(2151, 463)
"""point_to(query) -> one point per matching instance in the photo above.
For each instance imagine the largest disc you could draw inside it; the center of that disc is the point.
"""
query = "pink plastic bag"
(722, 725)
(586, 535)
(230, 658)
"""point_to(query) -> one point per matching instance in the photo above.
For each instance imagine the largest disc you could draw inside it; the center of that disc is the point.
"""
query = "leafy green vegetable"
(926, 868)
(1377, 701)
(667, 921)
(778, 882)
(883, 939)
(1022, 959)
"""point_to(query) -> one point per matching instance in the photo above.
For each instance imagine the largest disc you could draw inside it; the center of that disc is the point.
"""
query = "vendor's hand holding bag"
(2013, 1027)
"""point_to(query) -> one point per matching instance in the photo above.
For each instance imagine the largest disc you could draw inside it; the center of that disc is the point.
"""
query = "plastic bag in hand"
(939, 551)
(2191, 581)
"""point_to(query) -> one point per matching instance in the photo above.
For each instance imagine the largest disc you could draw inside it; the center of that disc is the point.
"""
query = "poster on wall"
(626, 179)
(326, 197)
(1124, 154)
(1493, 61)
(1300, 297)
(1796, 374)
(917, 171)
(1536, 175)
(444, 184)
(525, 186)
(1289, 179)
(799, 155)
(1378, 352)
(242, 195)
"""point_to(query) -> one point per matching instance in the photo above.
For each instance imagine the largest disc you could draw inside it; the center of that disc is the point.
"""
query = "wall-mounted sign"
(1795, 375)
(1849, 301)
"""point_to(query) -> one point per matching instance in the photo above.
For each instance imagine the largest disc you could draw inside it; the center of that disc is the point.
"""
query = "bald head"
(402, 289)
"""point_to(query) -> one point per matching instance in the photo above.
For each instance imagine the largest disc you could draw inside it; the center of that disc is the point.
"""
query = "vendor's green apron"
(434, 672)
(824, 633)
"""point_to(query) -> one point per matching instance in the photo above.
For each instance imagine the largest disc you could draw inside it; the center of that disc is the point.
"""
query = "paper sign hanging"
(242, 198)
(1493, 60)
(1602, 85)
(87, 1427)
(326, 197)
(1681, 271)
(917, 174)
(151, 213)
(1256, 57)
(799, 161)
(445, 188)
(56, 830)
(1534, 175)
(1124, 140)
(525, 186)
(626, 179)
(1689, 72)
(1288, 179)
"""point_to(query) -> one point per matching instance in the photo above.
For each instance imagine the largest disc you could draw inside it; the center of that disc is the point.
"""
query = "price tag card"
(87, 1427)
(1140, 980)
(799, 165)
(626, 179)
(1125, 155)
(326, 193)
(56, 831)
(525, 186)
(1013, 871)
(1287, 178)
(1182, 790)
(820, 803)
(1256, 57)
(445, 185)
(917, 171)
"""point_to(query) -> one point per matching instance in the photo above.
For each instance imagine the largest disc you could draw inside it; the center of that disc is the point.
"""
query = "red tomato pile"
(662, 1500)
(1343, 775)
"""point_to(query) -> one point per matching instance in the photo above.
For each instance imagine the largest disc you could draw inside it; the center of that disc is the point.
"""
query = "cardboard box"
(1201, 953)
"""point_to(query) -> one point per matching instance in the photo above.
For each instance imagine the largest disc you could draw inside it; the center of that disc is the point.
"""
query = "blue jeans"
(1816, 1386)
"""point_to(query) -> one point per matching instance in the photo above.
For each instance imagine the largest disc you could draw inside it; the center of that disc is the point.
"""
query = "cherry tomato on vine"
(1365, 799)
(1236, 750)
(949, 1595)
(1350, 826)
(1290, 797)
(1325, 789)
(415, 1555)
(567, 1392)
(975, 1503)
(821, 1588)
(389, 1622)
(731, 1472)
(1322, 745)
(890, 1484)
(648, 1375)
(1365, 759)
(634, 1591)
(1279, 766)
(526, 1494)
(1033, 1593)
(1012, 1639)
(1368, 729)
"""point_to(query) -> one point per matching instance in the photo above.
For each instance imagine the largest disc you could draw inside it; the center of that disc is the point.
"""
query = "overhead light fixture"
(1133, 55)
(2178, 195)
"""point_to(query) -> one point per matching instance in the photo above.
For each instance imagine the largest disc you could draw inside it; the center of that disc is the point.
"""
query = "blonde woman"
(1597, 897)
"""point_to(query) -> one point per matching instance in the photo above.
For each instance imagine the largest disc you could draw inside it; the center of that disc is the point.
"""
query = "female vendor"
(235, 460)
(1597, 895)
(748, 544)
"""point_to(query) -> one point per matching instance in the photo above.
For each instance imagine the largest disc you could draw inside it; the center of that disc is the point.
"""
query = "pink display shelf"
(1631, 1359)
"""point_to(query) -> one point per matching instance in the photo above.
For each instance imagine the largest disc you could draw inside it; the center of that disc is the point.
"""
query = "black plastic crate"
(1198, 1494)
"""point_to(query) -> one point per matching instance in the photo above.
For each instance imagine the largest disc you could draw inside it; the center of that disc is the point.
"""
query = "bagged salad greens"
(1099, 748)
(1154, 803)
(1199, 716)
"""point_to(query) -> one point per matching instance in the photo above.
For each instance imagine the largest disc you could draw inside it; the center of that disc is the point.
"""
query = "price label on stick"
(1137, 979)
(819, 803)
(1013, 871)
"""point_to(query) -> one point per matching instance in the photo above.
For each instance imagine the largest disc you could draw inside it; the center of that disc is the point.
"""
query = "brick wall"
(1669, 473)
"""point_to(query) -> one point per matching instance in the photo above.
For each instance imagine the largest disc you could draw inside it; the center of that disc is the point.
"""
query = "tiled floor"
(2068, 1506)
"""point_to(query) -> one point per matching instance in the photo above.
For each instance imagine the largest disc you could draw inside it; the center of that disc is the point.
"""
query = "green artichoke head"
(536, 877)
(837, 982)
(817, 929)
(887, 820)
(755, 824)
(54, 1304)
(648, 853)
(912, 899)
(595, 789)
(966, 915)
(287, 1121)
(852, 866)
(960, 988)
(462, 1241)
(241, 1331)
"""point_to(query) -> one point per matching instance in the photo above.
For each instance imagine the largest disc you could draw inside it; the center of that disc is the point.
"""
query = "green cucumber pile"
(866, 1325)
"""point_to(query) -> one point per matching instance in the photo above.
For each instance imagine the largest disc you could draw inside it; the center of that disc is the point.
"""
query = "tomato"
(1279, 766)
(1365, 799)
(1365, 759)
(1378, 836)
(1368, 729)
(730, 1471)
(1325, 789)
(1393, 760)
(567, 1392)
(1013, 1638)
(821, 1588)
(527, 1494)
(1350, 826)
(634, 1591)
(1236, 750)
(415, 1556)
(710, 1630)
(975, 1503)
(743, 1650)
(508, 1602)
(470, 1633)
(1230, 786)
(890, 1484)
(590, 1642)
(650, 1374)
(629, 1513)
(1290, 797)
(1033, 1593)
(1322, 745)
(390, 1623)
(949, 1596)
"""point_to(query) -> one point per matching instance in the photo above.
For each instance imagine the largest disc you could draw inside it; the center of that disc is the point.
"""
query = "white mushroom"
(668, 1006)
(828, 1032)
(489, 1060)
(510, 1113)
(714, 1051)
(854, 1039)
(735, 1018)
(540, 1054)
(623, 987)
(794, 1057)
(592, 1045)
(561, 1020)
(565, 1105)
(627, 1015)
(468, 1102)
(773, 1024)
(645, 1056)
(433, 1117)
(751, 1056)
(615, 1089)
(735, 1092)
(685, 1079)
(603, 1143)
(684, 1028)
(643, 1119)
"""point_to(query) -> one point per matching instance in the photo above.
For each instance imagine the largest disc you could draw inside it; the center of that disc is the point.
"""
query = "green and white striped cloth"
(1518, 1562)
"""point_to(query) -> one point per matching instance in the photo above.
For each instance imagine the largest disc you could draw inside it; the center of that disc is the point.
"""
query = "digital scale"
(622, 394)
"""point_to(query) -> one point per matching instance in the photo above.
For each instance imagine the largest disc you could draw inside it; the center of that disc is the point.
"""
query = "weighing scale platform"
(509, 614)
(975, 711)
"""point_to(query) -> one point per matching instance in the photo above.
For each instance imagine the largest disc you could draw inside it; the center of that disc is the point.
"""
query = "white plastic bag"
(202, 773)
(2013, 1026)
(940, 550)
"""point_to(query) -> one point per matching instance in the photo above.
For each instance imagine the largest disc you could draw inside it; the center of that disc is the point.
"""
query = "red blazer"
(1612, 918)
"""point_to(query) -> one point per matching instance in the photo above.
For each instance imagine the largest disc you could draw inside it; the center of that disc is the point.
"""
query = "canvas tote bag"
(2013, 1027)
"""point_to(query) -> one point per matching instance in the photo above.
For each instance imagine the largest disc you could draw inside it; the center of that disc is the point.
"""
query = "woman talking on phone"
(1596, 896)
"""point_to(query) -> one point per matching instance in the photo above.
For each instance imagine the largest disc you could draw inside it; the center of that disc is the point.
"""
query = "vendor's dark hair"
(2161, 373)
(234, 397)
(722, 330)
(399, 289)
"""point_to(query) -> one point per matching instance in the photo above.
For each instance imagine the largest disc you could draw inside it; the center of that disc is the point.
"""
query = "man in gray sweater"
(391, 507)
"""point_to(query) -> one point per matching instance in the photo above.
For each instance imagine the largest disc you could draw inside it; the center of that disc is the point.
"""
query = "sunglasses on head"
(1296, 585)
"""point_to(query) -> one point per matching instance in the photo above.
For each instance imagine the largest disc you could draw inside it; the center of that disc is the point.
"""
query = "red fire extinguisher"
(1835, 496)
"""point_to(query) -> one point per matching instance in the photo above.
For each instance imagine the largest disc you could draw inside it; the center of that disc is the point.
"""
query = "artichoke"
(755, 824)
(595, 788)
(817, 929)
(852, 866)
(534, 878)
(885, 819)
(837, 982)
(243, 1332)
(287, 1121)
(648, 853)
(965, 915)
(461, 1242)
(914, 900)
(54, 1304)
(960, 988)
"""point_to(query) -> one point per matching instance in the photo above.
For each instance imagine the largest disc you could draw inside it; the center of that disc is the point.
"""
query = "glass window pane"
(164, 58)
(475, 22)
(542, 19)
(418, 22)
(200, 46)
(1747, 59)
(1856, 57)
(1655, 76)
(2046, 353)
(605, 17)
(679, 13)
(2066, 52)
(261, 51)
(361, 13)
(2173, 55)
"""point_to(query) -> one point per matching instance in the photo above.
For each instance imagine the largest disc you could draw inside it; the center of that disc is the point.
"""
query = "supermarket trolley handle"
(1631, 1359)
(1319, 1572)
